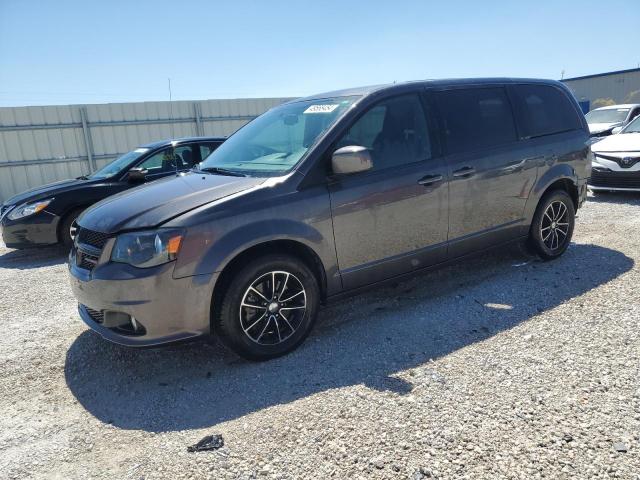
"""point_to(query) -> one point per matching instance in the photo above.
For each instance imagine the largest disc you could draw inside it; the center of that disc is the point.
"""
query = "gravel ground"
(501, 367)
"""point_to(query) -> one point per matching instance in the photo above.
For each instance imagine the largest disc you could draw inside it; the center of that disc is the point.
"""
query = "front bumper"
(628, 181)
(168, 309)
(37, 230)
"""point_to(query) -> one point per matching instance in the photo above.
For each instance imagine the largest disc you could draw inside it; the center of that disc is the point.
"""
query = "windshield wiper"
(82, 177)
(220, 171)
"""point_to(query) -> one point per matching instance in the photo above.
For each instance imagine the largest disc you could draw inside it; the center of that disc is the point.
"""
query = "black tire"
(64, 231)
(553, 224)
(277, 334)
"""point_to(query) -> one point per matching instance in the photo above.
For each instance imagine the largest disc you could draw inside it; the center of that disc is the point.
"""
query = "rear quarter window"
(476, 118)
(543, 110)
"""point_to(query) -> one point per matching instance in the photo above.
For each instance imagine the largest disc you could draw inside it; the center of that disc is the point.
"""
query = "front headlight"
(147, 249)
(27, 209)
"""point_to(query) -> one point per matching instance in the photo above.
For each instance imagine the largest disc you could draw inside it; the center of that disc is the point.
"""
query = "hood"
(602, 127)
(622, 142)
(155, 203)
(47, 191)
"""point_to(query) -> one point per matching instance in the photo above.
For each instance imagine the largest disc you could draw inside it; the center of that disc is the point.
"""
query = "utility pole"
(173, 133)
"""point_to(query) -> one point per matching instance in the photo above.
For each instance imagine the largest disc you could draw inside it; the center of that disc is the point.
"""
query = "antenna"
(562, 74)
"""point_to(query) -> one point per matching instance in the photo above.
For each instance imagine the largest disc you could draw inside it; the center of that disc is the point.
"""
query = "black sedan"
(46, 215)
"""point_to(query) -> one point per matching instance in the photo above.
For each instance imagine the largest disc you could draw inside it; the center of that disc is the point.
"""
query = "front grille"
(88, 247)
(95, 239)
(96, 315)
(626, 161)
(86, 260)
(615, 179)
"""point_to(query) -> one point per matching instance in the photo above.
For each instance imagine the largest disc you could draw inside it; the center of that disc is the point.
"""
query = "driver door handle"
(429, 180)
(464, 172)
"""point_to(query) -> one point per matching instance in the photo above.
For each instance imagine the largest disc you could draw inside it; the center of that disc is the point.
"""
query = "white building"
(601, 89)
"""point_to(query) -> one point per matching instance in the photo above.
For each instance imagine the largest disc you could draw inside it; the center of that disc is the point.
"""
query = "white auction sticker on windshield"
(321, 108)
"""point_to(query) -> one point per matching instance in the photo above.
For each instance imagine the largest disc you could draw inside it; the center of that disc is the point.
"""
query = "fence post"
(88, 143)
(196, 111)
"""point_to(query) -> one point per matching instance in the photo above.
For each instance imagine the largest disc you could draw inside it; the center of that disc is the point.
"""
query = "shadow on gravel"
(615, 197)
(33, 258)
(363, 340)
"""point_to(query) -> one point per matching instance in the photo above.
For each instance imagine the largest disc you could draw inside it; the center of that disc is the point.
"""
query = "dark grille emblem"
(627, 161)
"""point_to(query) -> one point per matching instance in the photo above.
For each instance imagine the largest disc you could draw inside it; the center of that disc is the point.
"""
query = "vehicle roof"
(613, 107)
(174, 141)
(368, 90)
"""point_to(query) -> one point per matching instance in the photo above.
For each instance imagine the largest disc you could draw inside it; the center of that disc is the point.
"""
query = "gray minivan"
(327, 195)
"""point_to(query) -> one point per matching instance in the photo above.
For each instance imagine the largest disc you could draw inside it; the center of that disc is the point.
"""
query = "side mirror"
(616, 130)
(137, 175)
(351, 159)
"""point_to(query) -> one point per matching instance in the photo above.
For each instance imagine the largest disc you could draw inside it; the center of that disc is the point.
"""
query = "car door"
(490, 172)
(393, 218)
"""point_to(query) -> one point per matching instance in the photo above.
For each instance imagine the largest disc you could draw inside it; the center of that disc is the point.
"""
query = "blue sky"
(58, 52)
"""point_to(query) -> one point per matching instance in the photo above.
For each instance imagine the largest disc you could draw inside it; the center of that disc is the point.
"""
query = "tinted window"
(395, 132)
(207, 148)
(161, 162)
(186, 156)
(544, 110)
(476, 118)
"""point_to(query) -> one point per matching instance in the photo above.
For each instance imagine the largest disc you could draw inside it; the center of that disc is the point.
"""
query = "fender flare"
(561, 171)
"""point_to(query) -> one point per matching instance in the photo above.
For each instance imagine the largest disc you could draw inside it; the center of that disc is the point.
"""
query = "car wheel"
(68, 228)
(268, 308)
(552, 226)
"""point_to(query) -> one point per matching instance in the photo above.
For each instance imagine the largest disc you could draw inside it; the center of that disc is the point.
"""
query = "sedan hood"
(47, 191)
(622, 142)
(151, 205)
(602, 127)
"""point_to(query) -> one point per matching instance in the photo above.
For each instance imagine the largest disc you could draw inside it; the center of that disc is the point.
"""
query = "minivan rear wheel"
(268, 308)
(552, 226)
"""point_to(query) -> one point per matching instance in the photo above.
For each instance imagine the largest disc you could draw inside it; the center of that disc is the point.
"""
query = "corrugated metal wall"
(615, 86)
(40, 145)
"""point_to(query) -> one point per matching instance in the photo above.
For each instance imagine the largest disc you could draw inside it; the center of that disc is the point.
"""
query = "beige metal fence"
(39, 145)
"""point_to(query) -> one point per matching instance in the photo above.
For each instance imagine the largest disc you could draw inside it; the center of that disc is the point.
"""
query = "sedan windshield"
(633, 127)
(115, 167)
(609, 115)
(273, 143)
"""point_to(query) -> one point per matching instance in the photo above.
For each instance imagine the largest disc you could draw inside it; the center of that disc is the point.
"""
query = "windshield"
(609, 115)
(115, 167)
(274, 142)
(633, 127)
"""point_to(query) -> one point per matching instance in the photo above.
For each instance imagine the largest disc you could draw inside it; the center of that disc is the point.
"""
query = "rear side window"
(476, 118)
(543, 110)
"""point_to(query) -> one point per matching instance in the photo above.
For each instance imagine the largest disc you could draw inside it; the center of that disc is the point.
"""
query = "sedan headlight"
(27, 209)
(147, 249)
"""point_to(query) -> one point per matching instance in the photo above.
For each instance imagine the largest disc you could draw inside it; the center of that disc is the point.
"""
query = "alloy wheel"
(554, 228)
(273, 307)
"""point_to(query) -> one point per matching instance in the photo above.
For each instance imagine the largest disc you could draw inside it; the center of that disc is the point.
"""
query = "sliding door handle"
(464, 172)
(429, 180)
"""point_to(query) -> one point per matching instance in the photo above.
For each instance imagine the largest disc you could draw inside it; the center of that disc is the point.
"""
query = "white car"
(616, 162)
(607, 120)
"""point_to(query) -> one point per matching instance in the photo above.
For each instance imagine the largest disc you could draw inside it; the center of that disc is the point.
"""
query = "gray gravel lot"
(501, 367)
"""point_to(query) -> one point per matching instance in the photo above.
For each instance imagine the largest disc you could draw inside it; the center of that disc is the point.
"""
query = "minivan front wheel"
(268, 308)
(552, 226)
